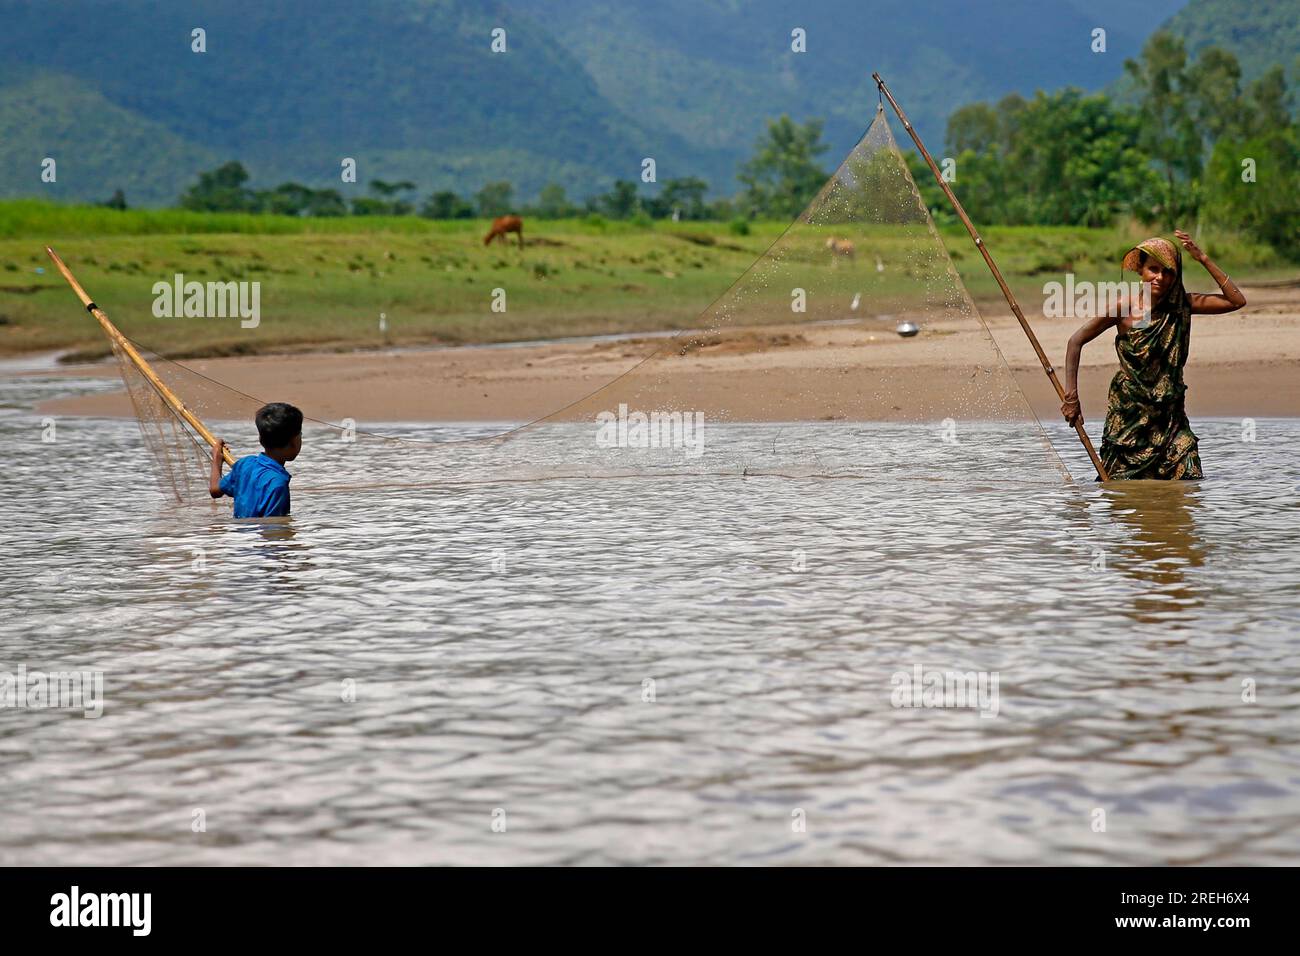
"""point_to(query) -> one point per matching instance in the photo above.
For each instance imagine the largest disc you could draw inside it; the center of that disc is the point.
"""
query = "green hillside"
(715, 71)
(412, 90)
(97, 145)
(1261, 33)
(409, 88)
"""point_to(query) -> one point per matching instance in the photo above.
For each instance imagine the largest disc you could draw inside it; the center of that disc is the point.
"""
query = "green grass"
(324, 282)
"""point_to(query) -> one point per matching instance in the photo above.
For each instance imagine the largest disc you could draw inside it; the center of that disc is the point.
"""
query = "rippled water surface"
(668, 670)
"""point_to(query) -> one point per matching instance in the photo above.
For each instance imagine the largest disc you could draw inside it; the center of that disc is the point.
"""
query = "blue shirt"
(260, 486)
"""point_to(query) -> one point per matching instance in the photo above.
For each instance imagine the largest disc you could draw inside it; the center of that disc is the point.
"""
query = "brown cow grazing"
(839, 248)
(503, 224)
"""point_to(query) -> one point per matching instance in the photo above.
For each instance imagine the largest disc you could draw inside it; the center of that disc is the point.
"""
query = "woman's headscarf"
(1175, 302)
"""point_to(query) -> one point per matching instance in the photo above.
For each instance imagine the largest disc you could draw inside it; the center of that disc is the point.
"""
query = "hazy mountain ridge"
(411, 89)
(293, 89)
(1262, 33)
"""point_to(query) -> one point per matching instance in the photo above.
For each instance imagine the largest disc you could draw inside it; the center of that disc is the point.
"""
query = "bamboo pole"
(988, 259)
(145, 369)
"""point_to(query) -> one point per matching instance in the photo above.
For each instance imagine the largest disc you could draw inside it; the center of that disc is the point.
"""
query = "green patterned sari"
(1147, 434)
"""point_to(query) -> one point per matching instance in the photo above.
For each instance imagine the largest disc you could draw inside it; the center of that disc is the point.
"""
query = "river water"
(694, 670)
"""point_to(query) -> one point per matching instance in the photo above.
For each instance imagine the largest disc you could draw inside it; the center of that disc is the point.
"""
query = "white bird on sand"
(857, 297)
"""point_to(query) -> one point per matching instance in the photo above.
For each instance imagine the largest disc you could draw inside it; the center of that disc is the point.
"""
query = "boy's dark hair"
(278, 424)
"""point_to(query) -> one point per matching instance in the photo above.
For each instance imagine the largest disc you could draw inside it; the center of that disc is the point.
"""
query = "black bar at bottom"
(658, 906)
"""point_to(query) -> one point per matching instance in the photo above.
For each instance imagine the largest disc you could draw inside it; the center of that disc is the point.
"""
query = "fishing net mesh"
(849, 348)
(180, 458)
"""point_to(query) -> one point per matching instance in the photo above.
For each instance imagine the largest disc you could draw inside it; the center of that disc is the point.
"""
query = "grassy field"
(324, 282)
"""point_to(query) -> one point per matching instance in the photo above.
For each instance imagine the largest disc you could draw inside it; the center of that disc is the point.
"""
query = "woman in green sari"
(1147, 434)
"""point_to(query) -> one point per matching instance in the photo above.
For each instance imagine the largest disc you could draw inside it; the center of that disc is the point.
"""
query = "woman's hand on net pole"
(1071, 410)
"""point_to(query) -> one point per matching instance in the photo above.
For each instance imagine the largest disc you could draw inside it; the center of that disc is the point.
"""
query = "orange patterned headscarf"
(1159, 249)
(1176, 301)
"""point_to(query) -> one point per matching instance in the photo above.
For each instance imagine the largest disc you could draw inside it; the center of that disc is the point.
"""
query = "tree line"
(1195, 145)
(1189, 143)
(225, 189)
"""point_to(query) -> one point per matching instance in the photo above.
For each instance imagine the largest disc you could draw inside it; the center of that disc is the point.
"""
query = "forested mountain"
(409, 88)
(1260, 33)
(715, 71)
(584, 91)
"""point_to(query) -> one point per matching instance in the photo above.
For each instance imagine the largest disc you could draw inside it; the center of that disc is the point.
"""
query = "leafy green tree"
(1267, 111)
(654, 207)
(1253, 174)
(1199, 128)
(721, 209)
(976, 128)
(1196, 146)
(932, 196)
(1079, 158)
(1214, 82)
(1253, 185)
(684, 196)
(326, 202)
(495, 199)
(1169, 133)
(1064, 157)
(295, 199)
(390, 190)
(287, 199)
(553, 202)
(621, 202)
(782, 176)
(370, 206)
(221, 190)
(446, 204)
(391, 195)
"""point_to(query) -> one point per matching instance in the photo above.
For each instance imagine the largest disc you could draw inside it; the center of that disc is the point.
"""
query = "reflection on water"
(1161, 545)
(654, 670)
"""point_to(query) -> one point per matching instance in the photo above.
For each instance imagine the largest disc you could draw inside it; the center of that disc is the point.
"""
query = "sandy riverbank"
(1245, 363)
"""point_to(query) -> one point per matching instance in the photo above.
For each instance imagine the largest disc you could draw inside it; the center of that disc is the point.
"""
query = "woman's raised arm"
(1202, 304)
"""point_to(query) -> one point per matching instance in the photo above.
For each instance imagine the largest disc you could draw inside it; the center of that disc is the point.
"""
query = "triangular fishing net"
(850, 348)
(180, 458)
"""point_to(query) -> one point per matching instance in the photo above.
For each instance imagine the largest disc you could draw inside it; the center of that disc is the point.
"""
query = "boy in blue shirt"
(260, 483)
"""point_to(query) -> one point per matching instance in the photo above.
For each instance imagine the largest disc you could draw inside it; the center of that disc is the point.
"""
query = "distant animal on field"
(502, 225)
(839, 248)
